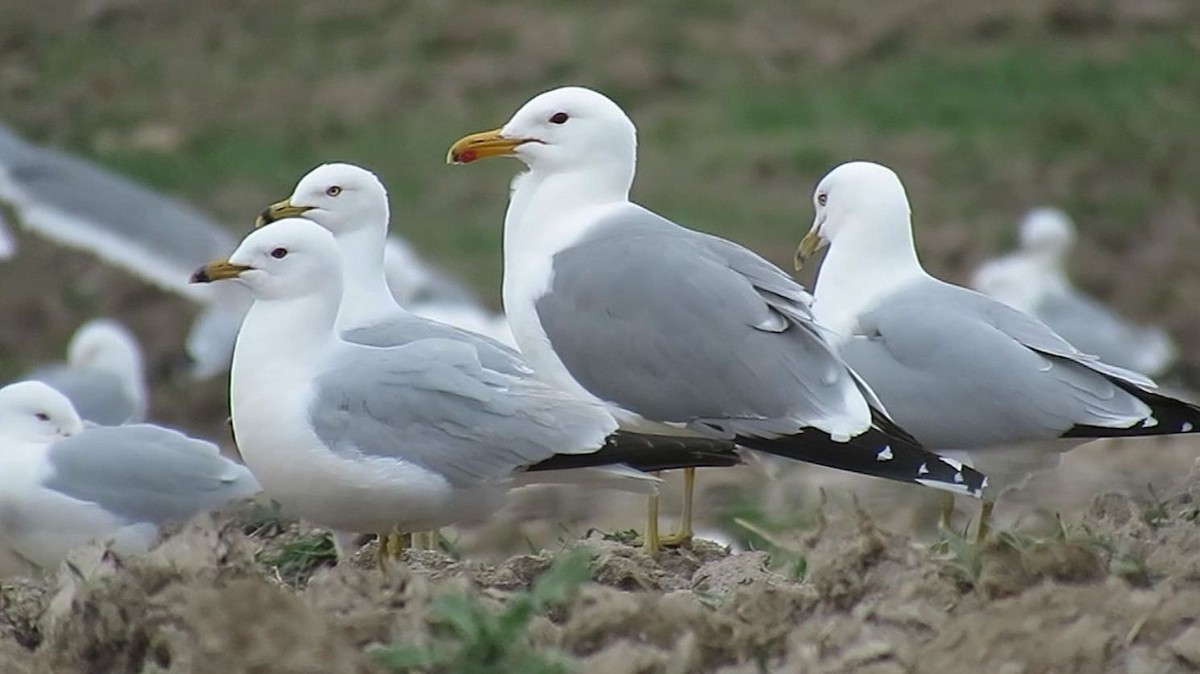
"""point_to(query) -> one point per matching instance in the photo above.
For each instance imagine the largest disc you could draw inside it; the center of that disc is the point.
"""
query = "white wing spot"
(944, 486)
(959, 478)
(885, 455)
(1149, 422)
(1186, 427)
(923, 470)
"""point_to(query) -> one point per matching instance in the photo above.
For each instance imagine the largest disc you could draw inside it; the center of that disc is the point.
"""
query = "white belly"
(370, 495)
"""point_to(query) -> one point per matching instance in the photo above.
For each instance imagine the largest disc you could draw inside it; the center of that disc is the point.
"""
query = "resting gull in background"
(1034, 280)
(669, 328)
(75, 202)
(63, 485)
(414, 436)
(104, 376)
(957, 369)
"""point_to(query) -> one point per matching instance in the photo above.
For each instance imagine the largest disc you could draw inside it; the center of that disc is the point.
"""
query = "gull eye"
(559, 118)
(279, 253)
(42, 416)
(333, 190)
(822, 198)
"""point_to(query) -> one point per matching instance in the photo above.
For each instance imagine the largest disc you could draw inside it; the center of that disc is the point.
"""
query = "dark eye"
(42, 416)
(559, 118)
(279, 253)
(333, 190)
(822, 198)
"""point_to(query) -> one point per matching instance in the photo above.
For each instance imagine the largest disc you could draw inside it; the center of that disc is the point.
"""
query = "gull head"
(560, 130)
(853, 196)
(105, 344)
(31, 411)
(291, 258)
(1047, 231)
(339, 197)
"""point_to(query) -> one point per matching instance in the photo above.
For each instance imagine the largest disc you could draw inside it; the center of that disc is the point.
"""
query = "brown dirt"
(1118, 592)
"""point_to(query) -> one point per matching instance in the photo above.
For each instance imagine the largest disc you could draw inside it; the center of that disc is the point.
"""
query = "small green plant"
(962, 552)
(299, 558)
(1156, 512)
(471, 638)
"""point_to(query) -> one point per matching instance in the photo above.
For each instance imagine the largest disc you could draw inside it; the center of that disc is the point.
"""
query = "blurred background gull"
(987, 109)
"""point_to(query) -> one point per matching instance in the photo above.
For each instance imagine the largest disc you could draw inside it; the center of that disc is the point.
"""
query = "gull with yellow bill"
(669, 329)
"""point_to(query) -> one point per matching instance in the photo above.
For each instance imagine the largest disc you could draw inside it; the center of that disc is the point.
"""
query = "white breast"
(271, 399)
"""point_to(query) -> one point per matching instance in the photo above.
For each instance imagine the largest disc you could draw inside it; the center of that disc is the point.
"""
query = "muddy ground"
(1117, 590)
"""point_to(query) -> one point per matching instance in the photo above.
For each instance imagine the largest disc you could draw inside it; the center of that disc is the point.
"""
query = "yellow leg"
(985, 521)
(689, 496)
(391, 546)
(650, 540)
(684, 535)
(426, 540)
(947, 511)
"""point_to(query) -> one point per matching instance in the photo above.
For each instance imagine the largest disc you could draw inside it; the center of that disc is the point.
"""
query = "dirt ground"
(1118, 590)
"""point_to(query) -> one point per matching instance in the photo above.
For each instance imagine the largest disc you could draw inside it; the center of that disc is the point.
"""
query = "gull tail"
(1168, 416)
(647, 452)
(877, 454)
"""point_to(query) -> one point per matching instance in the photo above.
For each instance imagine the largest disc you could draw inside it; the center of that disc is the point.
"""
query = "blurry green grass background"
(984, 108)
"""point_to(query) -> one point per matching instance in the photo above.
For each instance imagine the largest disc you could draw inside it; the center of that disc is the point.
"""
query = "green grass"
(297, 559)
(472, 638)
(727, 148)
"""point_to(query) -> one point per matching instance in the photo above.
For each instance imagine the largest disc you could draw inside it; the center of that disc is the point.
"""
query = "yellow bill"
(218, 271)
(481, 146)
(278, 211)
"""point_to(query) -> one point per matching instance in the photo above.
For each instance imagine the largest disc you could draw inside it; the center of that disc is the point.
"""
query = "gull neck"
(366, 298)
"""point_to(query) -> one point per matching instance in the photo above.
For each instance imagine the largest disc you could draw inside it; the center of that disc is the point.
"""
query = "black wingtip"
(1168, 416)
(876, 454)
(649, 453)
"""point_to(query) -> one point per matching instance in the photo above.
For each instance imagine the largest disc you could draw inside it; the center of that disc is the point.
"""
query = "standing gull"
(416, 436)
(1034, 280)
(667, 327)
(957, 369)
(63, 485)
(104, 376)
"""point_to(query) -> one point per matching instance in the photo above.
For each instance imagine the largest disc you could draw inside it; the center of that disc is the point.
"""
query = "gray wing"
(432, 403)
(407, 328)
(8, 246)
(99, 397)
(146, 473)
(1095, 329)
(961, 371)
(77, 203)
(684, 327)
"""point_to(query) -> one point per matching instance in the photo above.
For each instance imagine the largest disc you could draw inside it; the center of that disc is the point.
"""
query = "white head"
(31, 411)
(287, 259)
(107, 345)
(859, 197)
(561, 130)
(340, 197)
(1048, 231)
